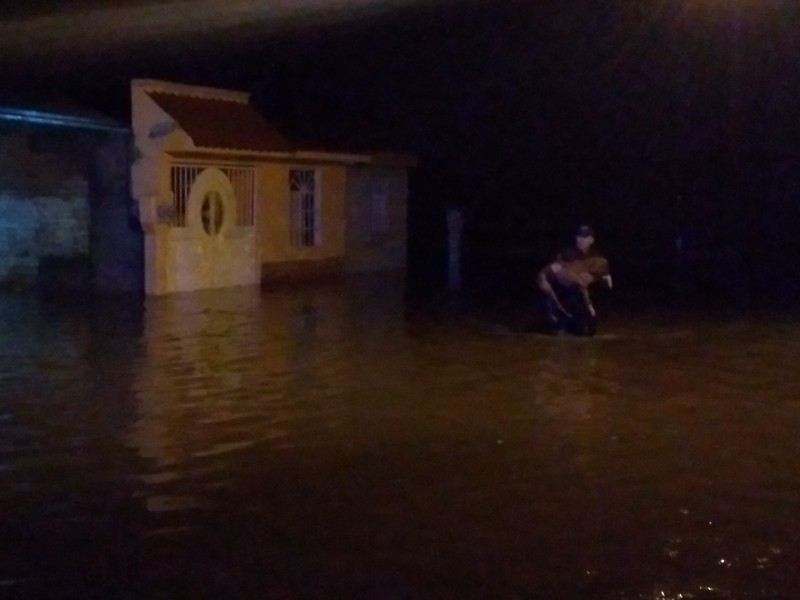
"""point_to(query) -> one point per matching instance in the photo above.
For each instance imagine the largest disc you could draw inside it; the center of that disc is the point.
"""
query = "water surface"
(333, 443)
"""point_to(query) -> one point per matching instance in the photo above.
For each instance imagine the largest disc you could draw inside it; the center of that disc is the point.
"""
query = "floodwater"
(333, 443)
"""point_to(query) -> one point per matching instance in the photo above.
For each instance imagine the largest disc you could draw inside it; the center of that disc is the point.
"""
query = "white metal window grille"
(304, 207)
(183, 176)
(243, 180)
(378, 209)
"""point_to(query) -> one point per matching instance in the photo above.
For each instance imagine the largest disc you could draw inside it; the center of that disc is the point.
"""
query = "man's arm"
(544, 285)
(588, 301)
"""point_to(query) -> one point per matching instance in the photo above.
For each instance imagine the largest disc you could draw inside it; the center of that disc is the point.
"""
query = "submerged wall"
(377, 224)
(116, 240)
(44, 210)
(65, 212)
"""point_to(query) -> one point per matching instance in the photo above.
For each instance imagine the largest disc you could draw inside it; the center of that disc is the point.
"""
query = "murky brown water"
(330, 444)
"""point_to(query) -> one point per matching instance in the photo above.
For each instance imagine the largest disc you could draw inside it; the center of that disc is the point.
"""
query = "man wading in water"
(565, 283)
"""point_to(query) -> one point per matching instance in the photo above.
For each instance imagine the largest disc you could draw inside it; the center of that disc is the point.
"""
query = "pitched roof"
(219, 123)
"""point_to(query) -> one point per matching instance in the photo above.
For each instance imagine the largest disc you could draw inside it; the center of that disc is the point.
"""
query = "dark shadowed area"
(655, 121)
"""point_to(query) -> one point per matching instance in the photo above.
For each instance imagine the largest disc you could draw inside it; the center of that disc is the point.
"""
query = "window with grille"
(183, 176)
(377, 217)
(305, 207)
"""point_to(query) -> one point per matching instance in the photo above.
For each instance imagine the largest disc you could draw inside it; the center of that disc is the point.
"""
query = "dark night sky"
(646, 118)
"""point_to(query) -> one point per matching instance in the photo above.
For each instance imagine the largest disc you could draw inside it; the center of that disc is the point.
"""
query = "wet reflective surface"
(331, 443)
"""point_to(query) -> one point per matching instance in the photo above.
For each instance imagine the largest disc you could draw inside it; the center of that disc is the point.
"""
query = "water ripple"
(326, 443)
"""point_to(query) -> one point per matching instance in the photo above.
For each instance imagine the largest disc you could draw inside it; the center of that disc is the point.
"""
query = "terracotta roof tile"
(213, 123)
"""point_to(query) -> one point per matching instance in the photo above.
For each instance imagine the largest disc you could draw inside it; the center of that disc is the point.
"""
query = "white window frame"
(304, 206)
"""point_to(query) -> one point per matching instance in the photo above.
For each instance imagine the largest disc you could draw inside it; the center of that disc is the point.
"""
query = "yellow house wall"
(150, 169)
(274, 214)
(340, 242)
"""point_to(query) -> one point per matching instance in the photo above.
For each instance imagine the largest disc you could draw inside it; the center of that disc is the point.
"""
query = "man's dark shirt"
(572, 253)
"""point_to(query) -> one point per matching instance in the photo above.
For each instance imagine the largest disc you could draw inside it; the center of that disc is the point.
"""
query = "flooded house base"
(226, 199)
(199, 192)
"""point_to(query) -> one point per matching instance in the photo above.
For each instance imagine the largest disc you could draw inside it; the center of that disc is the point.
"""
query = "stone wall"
(39, 164)
(44, 210)
(65, 212)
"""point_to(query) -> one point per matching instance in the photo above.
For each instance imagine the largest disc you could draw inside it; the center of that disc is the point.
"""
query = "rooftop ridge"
(195, 91)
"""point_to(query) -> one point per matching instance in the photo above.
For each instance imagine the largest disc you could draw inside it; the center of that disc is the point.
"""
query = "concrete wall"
(44, 210)
(281, 261)
(116, 241)
(65, 211)
(154, 134)
(150, 181)
(347, 244)
(273, 215)
(367, 252)
(38, 164)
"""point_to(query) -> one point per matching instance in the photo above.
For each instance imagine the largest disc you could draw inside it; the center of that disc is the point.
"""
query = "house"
(225, 199)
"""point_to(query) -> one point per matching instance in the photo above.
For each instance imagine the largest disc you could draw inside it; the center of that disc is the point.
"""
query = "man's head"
(584, 238)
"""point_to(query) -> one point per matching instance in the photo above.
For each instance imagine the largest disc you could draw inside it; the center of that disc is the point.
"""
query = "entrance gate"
(215, 242)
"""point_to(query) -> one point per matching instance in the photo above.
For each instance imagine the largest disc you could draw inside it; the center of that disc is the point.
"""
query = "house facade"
(226, 200)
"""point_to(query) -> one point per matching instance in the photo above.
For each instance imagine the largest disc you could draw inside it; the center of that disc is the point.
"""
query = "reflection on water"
(328, 443)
